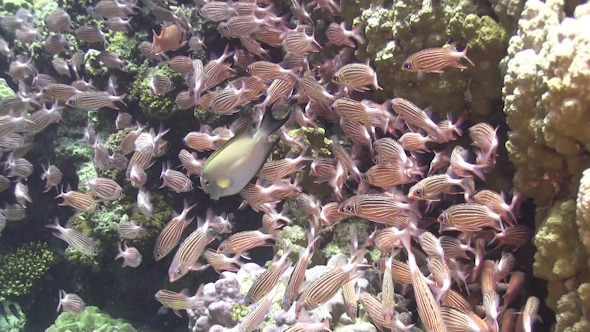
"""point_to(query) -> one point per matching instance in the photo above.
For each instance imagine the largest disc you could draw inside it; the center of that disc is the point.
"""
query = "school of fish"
(445, 240)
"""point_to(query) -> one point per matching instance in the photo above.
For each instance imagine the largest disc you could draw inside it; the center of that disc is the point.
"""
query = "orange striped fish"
(74, 239)
(268, 279)
(428, 308)
(434, 60)
(170, 235)
(190, 250)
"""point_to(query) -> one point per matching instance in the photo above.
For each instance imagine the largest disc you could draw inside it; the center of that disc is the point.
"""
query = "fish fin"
(177, 313)
(270, 124)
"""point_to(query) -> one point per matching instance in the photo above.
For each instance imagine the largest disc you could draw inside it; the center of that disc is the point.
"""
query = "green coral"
(573, 310)
(91, 319)
(22, 269)
(340, 243)
(11, 6)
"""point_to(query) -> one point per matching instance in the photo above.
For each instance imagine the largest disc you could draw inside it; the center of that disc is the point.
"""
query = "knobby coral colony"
(377, 152)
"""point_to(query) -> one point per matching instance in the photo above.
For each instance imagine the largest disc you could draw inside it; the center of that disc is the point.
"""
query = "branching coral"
(21, 270)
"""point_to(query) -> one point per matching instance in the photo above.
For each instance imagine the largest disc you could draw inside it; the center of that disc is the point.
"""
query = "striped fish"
(278, 90)
(387, 176)
(469, 217)
(70, 302)
(104, 188)
(60, 91)
(300, 43)
(456, 301)
(130, 230)
(463, 168)
(175, 180)
(180, 301)
(272, 36)
(374, 308)
(55, 44)
(357, 76)
(324, 288)
(170, 235)
(61, 66)
(279, 169)
(434, 60)
(74, 239)
(190, 250)
(529, 314)
(220, 262)
(459, 321)
(58, 21)
(330, 214)
(217, 11)
(344, 157)
(432, 187)
(182, 64)
(123, 120)
(378, 208)
(114, 8)
(79, 201)
(496, 203)
(268, 279)
(485, 138)
(241, 242)
(191, 164)
(131, 256)
(415, 117)
(111, 60)
(90, 34)
(161, 84)
(388, 293)
(95, 100)
(338, 35)
(245, 25)
(252, 46)
(415, 142)
(428, 308)
(309, 327)
(42, 118)
(512, 237)
(257, 315)
(453, 248)
(268, 71)
(228, 100)
(119, 24)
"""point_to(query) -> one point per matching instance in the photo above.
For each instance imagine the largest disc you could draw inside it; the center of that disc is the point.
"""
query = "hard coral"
(91, 319)
(547, 101)
(396, 32)
(20, 270)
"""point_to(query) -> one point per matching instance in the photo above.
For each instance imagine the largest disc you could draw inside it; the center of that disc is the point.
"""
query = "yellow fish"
(229, 169)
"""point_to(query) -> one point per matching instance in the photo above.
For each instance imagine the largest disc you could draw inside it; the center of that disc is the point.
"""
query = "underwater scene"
(294, 165)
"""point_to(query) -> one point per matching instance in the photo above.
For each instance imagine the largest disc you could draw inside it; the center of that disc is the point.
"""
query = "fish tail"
(357, 35)
(269, 124)
(463, 55)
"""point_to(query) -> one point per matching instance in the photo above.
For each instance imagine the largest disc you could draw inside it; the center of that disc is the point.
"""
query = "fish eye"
(406, 65)
(335, 78)
(177, 272)
(442, 218)
(206, 182)
(418, 192)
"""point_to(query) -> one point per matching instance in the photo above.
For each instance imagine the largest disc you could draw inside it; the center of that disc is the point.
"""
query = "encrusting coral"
(547, 103)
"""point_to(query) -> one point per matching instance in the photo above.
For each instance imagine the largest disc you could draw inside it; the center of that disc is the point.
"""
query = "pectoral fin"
(223, 183)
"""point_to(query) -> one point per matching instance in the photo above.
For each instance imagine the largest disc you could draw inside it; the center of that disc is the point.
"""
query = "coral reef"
(395, 32)
(91, 319)
(547, 103)
(22, 269)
